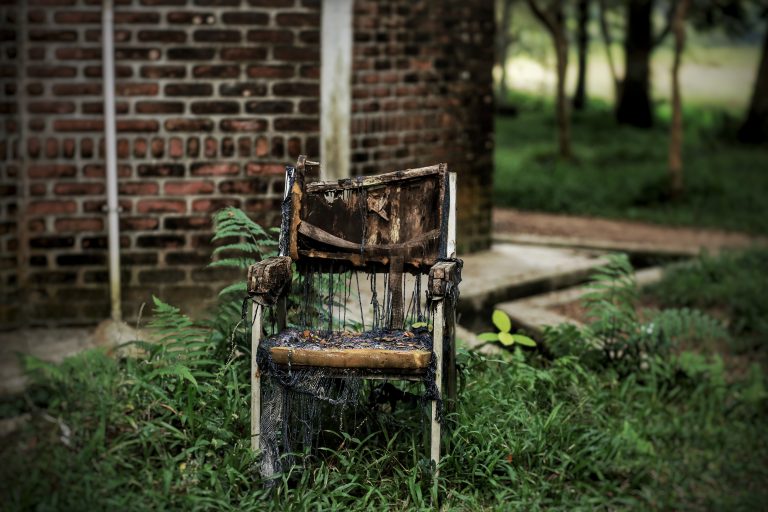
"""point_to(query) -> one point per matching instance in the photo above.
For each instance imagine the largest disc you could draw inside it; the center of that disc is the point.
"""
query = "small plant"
(504, 324)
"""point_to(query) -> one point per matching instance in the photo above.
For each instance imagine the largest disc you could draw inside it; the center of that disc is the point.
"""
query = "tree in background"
(635, 107)
(754, 130)
(504, 39)
(676, 126)
(552, 16)
(582, 44)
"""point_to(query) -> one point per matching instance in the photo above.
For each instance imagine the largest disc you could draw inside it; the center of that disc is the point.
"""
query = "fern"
(244, 243)
(624, 340)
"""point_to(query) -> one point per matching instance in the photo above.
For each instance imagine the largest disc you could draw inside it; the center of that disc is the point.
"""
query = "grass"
(565, 428)
(620, 172)
(732, 284)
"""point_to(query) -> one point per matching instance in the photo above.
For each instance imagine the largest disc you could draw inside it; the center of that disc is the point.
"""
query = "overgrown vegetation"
(567, 425)
(725, 182)
(733, 285)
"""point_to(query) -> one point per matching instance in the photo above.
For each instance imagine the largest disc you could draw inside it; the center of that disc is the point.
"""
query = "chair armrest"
(267, 279)
(444, 279)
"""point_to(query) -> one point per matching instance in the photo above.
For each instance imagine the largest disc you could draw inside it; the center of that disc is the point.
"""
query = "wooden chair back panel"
(372, 223)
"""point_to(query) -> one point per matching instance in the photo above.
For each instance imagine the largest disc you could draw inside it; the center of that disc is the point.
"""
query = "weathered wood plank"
(314, 232)
(352, 358)
(371, 181)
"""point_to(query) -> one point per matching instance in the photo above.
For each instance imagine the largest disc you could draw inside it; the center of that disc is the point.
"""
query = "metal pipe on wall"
(110, 150)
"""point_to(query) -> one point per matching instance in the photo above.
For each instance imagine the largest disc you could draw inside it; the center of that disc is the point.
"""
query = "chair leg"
(255, 379)
(437, 347)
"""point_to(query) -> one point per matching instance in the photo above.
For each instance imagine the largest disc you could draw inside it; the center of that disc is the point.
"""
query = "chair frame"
(269, 283)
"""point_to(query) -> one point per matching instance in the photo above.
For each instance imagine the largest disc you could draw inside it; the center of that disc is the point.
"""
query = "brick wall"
(213, 98)
(422, 94)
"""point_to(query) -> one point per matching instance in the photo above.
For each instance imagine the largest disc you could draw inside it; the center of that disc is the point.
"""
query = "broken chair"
(388, 226)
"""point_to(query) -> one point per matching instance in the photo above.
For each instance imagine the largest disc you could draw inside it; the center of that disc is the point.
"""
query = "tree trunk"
(503, 41)
(563, 114)
(755, 127)
(635, 102)
(605, 30)
(582, 41)
(676, 127)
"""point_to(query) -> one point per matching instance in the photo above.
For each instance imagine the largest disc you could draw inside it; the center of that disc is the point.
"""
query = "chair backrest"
(397, 221)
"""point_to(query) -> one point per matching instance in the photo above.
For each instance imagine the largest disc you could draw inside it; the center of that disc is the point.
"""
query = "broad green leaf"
(416, 325)
(506, 339)
(501, 321)
(488, 336)
(523, 340)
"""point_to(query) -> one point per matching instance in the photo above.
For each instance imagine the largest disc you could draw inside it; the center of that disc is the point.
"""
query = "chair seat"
(402, 350)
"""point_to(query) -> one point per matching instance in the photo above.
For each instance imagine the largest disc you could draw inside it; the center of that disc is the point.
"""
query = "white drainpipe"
(110, 148)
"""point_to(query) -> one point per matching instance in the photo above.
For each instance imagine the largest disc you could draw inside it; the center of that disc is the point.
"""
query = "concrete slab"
(533, 314)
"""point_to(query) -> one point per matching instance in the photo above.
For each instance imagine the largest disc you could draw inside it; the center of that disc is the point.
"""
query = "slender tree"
(504, 40)
(582, 43)
(676, 127)
(552, 17)
(754, 130)
(605, 31)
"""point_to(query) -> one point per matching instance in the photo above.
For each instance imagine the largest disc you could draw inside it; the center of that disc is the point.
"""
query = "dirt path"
(509, 224)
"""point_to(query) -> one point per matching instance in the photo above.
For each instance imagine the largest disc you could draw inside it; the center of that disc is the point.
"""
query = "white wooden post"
(437, 348)
(335, 89)
(255, 377)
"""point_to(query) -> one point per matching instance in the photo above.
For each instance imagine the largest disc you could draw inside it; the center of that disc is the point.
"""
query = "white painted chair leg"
(255, 379)
(437, 347)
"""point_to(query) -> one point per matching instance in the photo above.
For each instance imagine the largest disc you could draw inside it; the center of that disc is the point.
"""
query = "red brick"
(269, 107)
(78, 53)
(78, 189)
(121, 36)
(98, 72)
(79, 225)
(311, 89)
(136, 17)
(270, 36)
(51, 71)
(51, 171)
(161, 206)
(211, 147)
(221, 71)
(97, 171)
(38, 189)
(213, 205)
(189, 89)
(243, 125)
(138, 223)
(137, 125)
(138, 188)
(136, 89)
(262, 146)
(52, 35)
(51, 148)
(215, 169)
(297, 53)
(188, 17)
(184, 188)
(130, 53)
(257, 169)
(163, 71)
(140, 148)
(193, 147)
(77, 17)
(190, 53)
(161, 170)
(244, 147)
(157, 147)
(218, 36)
(50, 107)
(251, 186)
(297, 124)
(215, 107)
(68, 148)
(162, 36)
(249, 53)
(159, 107)
(175, 147)
(298, 19)
(74, 89)
(188, 125)
(270, 71)
(51, 207)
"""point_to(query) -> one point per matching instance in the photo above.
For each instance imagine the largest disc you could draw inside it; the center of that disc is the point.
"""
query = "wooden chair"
(396, 223)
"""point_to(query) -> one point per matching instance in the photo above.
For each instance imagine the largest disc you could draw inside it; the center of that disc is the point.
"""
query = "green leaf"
(523, 340)
(501, 321)
(416, 325)
(506, 339)
(488, 336)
